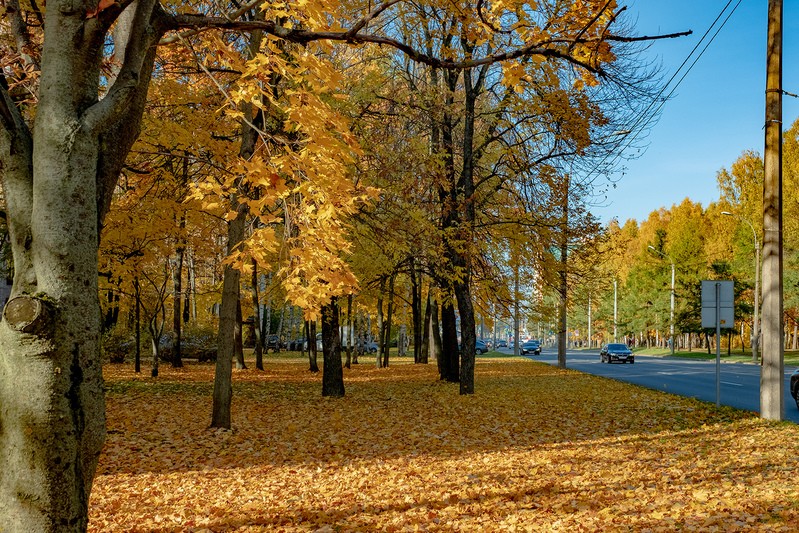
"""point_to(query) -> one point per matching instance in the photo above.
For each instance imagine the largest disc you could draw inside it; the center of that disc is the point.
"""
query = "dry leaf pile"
(535, 449)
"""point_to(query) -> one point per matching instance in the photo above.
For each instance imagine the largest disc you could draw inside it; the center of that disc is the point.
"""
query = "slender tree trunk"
(238, 339)
(424, 353)
(137, 297)
(332, 372)
(381, 334)
(256, 313)
(435, 333)
(357, 325)
(177, 292)
(348, 344)
(230, 310)
(416, 311)
(563, 273)
(310, 334)
(389, 316)
(155, 343)
(266, 327)
(223, 378)
(190, 294)
(280, 324)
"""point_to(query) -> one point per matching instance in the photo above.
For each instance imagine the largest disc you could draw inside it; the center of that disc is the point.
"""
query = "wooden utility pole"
(772, 401)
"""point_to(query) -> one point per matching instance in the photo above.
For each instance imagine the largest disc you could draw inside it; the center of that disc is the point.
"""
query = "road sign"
(718, 311)
(725, 304)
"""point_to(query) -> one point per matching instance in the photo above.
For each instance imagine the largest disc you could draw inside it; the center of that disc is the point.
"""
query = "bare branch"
(550, 49)
(230, 16)
(590, 23)
(361, 24)
(641, 38)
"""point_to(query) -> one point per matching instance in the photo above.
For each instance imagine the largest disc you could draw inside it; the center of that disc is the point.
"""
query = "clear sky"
(718, 110)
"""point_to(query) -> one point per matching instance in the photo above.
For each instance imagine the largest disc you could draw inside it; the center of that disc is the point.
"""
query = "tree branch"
(550, 49)
(131, 78)
(16, 154)
(361, 24)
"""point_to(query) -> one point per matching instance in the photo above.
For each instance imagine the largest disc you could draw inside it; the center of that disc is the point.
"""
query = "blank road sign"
(726, 304)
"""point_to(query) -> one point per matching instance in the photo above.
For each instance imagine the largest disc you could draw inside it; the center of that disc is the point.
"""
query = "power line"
(645, 118)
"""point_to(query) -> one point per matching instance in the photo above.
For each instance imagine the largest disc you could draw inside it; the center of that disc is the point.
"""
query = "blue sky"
(716, 113)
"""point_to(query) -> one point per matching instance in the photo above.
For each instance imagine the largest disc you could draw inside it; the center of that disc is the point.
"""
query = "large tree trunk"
(450, 361)
(468, 337)
(310, 333)
(57, 185)
(332, 371)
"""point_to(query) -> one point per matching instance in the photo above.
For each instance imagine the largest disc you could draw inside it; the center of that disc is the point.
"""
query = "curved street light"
(755, 322)
(671, 313)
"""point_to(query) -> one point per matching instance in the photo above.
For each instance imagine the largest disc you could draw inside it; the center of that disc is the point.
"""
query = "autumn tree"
(89, 66)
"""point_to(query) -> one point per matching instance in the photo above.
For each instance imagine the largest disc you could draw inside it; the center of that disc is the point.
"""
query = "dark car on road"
(795, 386)
(532, 346)
(616, 352)
(480, 347)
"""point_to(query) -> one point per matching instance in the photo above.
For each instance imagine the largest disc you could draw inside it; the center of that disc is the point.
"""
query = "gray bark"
(57, 182)
(177, 286)
(256, 309)
(223, 382)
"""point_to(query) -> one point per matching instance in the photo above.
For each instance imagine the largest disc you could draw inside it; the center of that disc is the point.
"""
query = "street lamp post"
(671, 313)
(615, 309)
(755, 321)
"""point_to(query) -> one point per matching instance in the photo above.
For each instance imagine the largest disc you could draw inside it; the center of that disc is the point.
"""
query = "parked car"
(532, 346)
(273, 343)
(480, 347)
(298, 345)
(371, 347)
(502, 344)
(616, 352)
(795, 386)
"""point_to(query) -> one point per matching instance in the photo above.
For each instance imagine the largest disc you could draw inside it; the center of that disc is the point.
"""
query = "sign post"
(718, 311)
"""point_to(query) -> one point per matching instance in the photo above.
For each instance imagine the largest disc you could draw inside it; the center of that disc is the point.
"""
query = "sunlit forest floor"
(535, 449)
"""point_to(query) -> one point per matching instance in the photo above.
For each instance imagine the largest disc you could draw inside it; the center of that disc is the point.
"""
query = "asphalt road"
(739, 382)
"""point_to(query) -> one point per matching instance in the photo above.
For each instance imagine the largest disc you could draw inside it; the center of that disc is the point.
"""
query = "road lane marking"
(731, 383)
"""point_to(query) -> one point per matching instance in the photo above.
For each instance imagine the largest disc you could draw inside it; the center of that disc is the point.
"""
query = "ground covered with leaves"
(535, 449)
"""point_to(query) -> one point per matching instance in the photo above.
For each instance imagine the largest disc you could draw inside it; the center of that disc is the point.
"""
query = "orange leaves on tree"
(297, 183)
